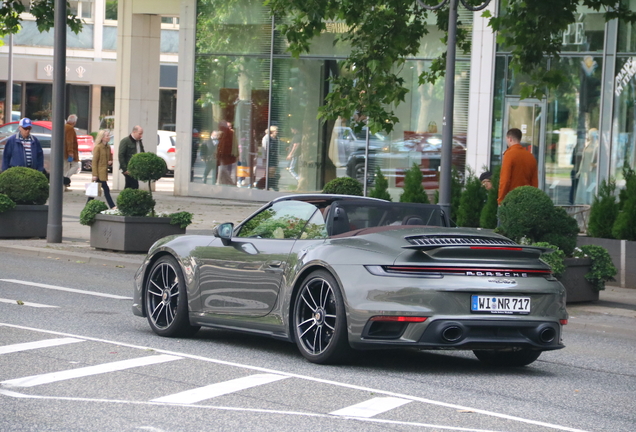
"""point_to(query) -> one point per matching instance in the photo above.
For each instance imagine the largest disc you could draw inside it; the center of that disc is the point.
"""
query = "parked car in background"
(42, 130)
(166, 141)
(397, 157)
(166, 148)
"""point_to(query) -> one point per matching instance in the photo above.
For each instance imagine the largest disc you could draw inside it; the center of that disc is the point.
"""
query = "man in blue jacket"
(23, 149)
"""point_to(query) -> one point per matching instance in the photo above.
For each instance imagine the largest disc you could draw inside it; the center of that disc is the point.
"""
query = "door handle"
(274, 264)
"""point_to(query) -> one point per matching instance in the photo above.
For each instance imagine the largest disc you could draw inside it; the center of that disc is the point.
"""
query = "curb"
(80, 258)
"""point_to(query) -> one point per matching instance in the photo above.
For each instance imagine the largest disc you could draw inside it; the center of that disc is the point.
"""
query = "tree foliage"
(42, 11)
(382, 35)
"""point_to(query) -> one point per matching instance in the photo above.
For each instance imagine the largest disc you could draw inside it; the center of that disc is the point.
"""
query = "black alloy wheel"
(320, 325)
(514, 358)
(166, 300)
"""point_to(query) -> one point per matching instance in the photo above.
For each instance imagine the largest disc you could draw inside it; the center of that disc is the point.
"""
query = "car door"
(243, 278)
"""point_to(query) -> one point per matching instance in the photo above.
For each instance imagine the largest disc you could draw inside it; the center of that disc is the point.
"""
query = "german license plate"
(500, 304)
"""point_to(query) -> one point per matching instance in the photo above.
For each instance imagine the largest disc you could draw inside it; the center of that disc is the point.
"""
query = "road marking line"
(6, 349)
(371, 407)
(59, 288)
(219, 389)
(308, 378)
(35, 380)
(248, 410)
(35, 305)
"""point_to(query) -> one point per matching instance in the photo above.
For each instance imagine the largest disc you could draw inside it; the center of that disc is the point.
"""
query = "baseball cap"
(25, 123)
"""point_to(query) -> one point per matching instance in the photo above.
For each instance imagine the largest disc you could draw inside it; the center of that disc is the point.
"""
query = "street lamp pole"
(449, 97)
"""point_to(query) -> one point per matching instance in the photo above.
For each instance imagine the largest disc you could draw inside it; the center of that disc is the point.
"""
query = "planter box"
(130, 233)
(24, 221)
(623, 254)
(578, 288)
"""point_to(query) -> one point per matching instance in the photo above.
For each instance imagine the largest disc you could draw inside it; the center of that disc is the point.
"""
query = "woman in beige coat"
(102, 159)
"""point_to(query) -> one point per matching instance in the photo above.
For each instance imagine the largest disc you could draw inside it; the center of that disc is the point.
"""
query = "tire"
(517, 358)
(319, 320)
(166, 300)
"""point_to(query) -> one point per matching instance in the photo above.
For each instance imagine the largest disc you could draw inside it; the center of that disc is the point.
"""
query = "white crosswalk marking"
(36, 305)
(372, 407)
(59, 288)
(6, 349)
(219, 389)
(47, 378)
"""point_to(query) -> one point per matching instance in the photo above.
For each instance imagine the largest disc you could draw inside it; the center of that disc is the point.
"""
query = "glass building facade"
(255, 108)
(582, 132)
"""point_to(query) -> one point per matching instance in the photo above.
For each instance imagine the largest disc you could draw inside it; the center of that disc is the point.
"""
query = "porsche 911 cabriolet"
(336, 273)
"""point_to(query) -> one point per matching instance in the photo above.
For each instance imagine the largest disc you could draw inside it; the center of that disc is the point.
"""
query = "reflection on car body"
(395, 158)
(333, 273)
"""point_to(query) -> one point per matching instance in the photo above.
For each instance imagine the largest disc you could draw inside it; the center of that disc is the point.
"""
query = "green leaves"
(42, 10)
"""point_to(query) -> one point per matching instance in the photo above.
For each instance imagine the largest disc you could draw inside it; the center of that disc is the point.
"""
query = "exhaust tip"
(452, 333)
(547, 335)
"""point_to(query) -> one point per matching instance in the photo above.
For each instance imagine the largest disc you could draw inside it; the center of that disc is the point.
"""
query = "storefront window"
(17, 101)
(624, 122)
(572, 136)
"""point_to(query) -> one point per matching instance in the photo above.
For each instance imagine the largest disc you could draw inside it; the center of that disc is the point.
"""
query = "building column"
(185, 96)
(137, 88)
(480, 100)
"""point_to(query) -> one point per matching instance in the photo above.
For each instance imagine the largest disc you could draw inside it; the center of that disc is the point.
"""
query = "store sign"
(75, 72)
(625, 75)
(574, 34)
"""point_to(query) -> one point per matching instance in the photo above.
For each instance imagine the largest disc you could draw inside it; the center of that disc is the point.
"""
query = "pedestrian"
(71, 152)
(102, 159)
(293, 154)
(23, 149)
(519, 167)
(128, 147)
(271, 144)
(485, 179)
(226, 153)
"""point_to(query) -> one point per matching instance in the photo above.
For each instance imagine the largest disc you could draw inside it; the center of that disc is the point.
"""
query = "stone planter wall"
(24, 221)
(130, 233)
(623, 254)
(578, 288)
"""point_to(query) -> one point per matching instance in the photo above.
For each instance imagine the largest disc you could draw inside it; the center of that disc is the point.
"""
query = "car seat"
(412, 220)
(340, 222)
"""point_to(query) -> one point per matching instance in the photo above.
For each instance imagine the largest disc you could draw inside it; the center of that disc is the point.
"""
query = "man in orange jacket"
(519, 167)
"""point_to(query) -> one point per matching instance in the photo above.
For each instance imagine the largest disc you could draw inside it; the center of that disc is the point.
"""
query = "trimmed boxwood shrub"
(90, 210)
(24, 186)
(6, 203)
(183, 219)
(525, 212)
(343, 186)
(603, 211)
(471, 202)
(529, 212)
(602, 269)
(413, 191)
(381, 186)
(563, 230)
(147, 167)
(135, 202)
(555, 259)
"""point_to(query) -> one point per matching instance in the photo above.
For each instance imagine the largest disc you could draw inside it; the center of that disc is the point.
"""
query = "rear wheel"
(517, 358)
(320, 325)
(166, 300)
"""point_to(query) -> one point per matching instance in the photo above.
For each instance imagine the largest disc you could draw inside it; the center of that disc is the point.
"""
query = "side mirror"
(224, 232)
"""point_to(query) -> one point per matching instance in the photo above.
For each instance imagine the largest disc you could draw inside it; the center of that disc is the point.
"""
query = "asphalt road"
(92, 365)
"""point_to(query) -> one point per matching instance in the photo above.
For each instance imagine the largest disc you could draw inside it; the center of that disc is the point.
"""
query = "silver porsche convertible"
(336, 273)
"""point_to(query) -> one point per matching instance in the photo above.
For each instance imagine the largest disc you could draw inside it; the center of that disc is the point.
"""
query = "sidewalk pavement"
(207, 213)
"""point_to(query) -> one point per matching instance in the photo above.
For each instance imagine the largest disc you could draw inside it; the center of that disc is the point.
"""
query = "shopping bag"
(92, 189)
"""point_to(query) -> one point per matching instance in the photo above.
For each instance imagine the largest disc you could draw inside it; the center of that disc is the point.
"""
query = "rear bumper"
(470, 334)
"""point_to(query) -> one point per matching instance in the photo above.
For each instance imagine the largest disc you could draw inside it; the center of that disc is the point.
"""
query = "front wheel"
(320, 324)
(166, 300)
(517, 358)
